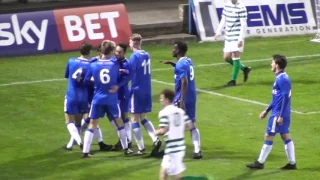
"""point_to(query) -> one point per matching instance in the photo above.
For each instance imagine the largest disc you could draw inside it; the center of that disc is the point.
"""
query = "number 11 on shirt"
(146, 66)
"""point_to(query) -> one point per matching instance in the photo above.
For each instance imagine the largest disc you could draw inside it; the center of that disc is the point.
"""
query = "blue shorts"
(124, 105)
(99, 110)
(273, 128)
(140, 103)
(190, 110)
(73, 107)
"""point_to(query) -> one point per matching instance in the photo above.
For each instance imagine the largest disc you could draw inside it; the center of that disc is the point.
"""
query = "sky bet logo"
(58, 30)
(20, 33)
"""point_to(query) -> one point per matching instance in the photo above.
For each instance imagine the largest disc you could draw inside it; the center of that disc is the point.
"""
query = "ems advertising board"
(62, 30)
(265, 17)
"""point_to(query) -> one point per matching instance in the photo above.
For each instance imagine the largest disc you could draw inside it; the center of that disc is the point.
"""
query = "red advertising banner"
(92, 24)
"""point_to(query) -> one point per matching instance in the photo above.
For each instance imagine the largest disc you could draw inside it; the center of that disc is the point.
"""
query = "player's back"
(175, 119)
(75, 72)
(140, 61)
(281, 87)
(105, 73)
(184, 67)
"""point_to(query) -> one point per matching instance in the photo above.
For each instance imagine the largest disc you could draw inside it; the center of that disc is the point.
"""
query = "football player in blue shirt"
(76, 99)
(105, 73)
(86, 120)
(124, 92)
(141, 95)
(185, 87)
(279, 121)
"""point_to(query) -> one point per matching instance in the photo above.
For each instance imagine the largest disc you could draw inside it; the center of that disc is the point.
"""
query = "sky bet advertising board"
(265, 17)
(62, 29)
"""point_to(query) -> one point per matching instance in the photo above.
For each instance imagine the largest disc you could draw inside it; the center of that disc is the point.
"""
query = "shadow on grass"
(59, 160)
(249, 175)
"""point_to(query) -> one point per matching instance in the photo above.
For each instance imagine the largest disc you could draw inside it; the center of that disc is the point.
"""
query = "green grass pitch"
(33, 130)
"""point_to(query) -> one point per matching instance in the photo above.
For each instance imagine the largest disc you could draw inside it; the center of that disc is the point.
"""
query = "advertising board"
(265, 17)
(62, 29)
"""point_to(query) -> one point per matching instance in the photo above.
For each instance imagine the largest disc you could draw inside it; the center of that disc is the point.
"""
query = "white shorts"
(232, 46)
(173, 163)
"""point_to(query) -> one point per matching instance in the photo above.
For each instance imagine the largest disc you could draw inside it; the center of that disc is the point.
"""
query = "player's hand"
(122, 71)
(263, 114)
(165, 62)
(113, 89)
(216, 36)
(280, 121)
(240, 44)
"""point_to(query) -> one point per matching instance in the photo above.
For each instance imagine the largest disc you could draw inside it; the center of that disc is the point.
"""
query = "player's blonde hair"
(108, 47)
(136, 38)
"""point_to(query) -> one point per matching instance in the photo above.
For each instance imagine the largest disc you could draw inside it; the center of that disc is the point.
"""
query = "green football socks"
(235, 68)
(230, 61)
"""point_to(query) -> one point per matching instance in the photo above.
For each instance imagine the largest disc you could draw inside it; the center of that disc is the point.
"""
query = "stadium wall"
(62, 29)
(265, 17)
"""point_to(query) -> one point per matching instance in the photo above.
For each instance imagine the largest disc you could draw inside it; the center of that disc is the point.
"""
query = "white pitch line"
(236, 98)
(171, 84)
(245, 62)
(200, 90)
(32, 82)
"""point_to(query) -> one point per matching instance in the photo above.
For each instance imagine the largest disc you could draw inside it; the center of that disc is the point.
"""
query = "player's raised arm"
(168, 62)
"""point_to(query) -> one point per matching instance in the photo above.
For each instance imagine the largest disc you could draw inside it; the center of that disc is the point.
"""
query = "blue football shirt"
(184, 69)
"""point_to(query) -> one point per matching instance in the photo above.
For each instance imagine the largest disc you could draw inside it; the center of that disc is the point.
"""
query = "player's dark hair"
(280, 60)
(168, 94)
(182, 47)
(123, 46)
(85, 48)
(107, 47)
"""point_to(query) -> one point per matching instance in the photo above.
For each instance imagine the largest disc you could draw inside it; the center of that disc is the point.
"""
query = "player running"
(124, 92)
(279, 121)
(105, 74)
(76, 99)
(140, 100)
(234, 18)
(185, 87)
(173, 123)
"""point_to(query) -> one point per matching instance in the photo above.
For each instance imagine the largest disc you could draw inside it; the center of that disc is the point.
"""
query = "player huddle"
(99, 86)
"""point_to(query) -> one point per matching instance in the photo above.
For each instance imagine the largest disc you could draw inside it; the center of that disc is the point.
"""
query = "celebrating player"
(105, 73)
(76, 99)
(124, 92)
(279, 121)
(173, 123)
(185, 87)
(86, 120)
(140, 100)
(234, 18)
